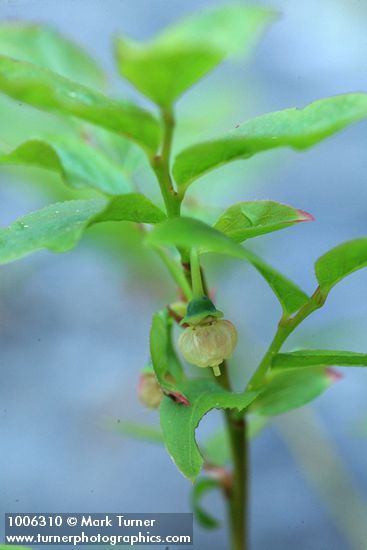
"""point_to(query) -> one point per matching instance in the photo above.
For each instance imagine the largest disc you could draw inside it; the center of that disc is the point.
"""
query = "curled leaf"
(246, 220)
(179, 422)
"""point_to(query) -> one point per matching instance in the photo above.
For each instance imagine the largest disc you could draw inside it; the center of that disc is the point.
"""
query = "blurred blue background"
(74, 328)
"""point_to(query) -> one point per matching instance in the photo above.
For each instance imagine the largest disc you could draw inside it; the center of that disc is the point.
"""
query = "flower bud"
(208, 344)
(149, 391)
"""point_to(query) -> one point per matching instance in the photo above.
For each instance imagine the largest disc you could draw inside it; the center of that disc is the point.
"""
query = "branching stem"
(285, 327)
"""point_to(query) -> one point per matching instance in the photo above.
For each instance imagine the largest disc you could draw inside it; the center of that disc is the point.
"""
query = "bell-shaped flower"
(209, 343)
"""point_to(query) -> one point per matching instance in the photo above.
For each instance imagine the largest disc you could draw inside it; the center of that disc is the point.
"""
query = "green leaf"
(252, 218)
(136, 431)
(57, 227)
(49, 91)
(289, 390)
(80, 165)
(290, 295)
(339, 262)
(245, 220)
(165, 67)
(296, 128)
(132, 207)
(316, 357)
(179, 422)
(48, 48)
(60, 226)
(200, 488)
(189, 232)
(164, 359)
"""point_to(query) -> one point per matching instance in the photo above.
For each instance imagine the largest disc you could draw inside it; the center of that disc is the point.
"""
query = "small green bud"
(208, 344)
(149, 391)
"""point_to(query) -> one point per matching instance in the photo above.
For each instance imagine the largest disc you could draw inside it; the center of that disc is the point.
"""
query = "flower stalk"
(197, 283)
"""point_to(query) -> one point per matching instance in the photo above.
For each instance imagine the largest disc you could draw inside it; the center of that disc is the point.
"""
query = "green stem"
(197, 283)
(161, 166)
(285, 327)
(238, 500)
(239, 493)
(236, 426)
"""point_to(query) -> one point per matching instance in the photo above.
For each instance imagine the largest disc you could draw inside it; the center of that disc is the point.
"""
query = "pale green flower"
(208, 344)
